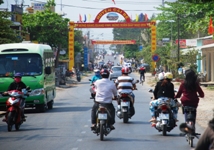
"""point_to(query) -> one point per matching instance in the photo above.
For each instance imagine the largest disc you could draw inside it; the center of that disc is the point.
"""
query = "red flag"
(146, 17)
(210, 28)
(113, 2)
(80, 18)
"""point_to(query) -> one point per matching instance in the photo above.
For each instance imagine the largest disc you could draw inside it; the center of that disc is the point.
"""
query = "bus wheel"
(50, 104)
(41, 108)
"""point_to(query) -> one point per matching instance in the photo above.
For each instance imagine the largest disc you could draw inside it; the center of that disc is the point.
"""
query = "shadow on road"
(127, 140)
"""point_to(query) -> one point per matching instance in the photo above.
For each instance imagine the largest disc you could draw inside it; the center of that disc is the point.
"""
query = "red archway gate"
(97, 24)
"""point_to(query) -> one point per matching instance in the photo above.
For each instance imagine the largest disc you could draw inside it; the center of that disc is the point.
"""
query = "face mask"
(17, 80)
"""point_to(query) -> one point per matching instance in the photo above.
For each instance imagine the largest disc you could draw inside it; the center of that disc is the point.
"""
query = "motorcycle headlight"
(37, 92)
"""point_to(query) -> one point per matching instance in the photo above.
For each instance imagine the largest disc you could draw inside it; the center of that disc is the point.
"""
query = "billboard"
(185, 43)
(40, 6)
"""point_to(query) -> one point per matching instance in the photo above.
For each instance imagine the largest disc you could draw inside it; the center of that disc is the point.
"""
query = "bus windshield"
(26, 64)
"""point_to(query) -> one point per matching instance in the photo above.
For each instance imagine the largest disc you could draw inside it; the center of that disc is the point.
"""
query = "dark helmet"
(104, 73)
(18, 75)
(105, 66)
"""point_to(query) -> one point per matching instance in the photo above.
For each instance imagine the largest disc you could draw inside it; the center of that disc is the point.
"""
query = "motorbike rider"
(17, 84)
(96, 77)
(163, 92)
(105, 89)
(126, 84)
(190, 91)
(142, 72)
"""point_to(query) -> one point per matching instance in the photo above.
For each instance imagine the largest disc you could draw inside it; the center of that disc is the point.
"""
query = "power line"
(104, 8)
(125, 2)
(95, 8)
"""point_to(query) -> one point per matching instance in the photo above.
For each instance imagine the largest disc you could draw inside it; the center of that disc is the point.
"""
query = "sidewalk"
(205, 107)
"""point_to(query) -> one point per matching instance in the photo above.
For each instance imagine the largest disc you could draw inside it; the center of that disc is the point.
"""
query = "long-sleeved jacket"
(206, 141)
(189, 98)
(164, 91)
(16, 86)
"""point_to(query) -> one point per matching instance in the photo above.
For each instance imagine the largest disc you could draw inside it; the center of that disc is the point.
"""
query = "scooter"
(15, 106)
(102, 126)
(164, 117)
(126, 109)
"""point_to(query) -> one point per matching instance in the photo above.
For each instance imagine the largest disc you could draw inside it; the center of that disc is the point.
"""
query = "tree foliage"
(51, 28)
(7, 34)
(47, 27)
(194, 16)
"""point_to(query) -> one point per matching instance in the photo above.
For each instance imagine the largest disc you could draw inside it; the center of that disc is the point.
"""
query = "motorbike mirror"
(27, 88)
(151, 90)
(89, 79)
(137, 81)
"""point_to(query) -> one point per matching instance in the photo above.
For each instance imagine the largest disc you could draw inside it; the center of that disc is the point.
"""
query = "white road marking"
(79, 140)
(85, 126)
(83, 132)
(74, 148)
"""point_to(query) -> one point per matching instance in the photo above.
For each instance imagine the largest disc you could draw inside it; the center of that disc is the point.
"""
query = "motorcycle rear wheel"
(10, 118)
(164, 130)
(17, 126)
(125, 117)
(101, 132)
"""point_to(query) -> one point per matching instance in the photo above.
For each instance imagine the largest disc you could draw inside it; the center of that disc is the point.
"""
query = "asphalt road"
(67, 126)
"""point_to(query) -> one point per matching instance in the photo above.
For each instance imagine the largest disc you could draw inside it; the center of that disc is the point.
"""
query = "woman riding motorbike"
(190, 91)
(163, 92)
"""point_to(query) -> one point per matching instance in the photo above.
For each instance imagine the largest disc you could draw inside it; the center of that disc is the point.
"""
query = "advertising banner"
(114, 42)
(71, 46)
(114, 25)
(182, 43)
(153, 39)
(191, 42)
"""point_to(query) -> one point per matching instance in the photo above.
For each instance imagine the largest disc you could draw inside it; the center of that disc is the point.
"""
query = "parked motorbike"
(92, 91)
(102, 126)
(78, 76)
(190, 123)
(164, 117)
(15, 106)
(126, 109)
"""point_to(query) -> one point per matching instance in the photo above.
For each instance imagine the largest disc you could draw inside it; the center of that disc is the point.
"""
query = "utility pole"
(178, 37)
(163, 3)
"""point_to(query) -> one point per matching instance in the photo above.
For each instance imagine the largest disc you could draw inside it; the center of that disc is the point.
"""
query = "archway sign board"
(97, 24)
(118, 42)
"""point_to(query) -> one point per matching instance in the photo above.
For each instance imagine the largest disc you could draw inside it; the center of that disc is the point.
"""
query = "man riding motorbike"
(142, 72)
(105, 89)
(17, 84)
(126, 84)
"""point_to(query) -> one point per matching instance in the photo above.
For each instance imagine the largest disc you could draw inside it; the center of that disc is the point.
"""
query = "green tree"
(7, 34)
(40, 23)
(193, 16)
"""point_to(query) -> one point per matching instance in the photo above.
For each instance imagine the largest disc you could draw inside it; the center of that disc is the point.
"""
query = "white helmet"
(96, 70)
(161, 76)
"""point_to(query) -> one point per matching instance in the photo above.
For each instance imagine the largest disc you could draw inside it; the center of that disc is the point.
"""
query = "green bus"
(36, 63)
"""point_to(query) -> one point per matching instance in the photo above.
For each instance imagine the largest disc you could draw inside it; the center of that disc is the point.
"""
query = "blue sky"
(75, 7)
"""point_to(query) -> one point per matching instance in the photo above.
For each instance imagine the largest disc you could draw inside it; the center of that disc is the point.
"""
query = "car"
(115, 72)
